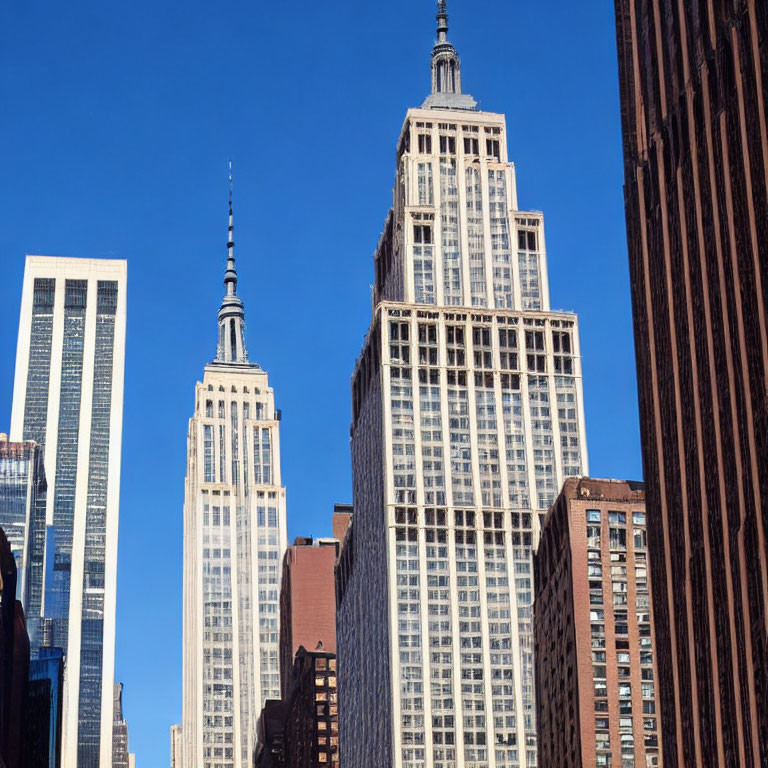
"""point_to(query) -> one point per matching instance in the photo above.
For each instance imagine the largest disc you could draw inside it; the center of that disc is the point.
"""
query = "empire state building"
(234, 540)
(467, 416)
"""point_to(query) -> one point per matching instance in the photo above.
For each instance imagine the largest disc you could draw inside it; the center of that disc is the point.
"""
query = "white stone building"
(68, 397)
(467, 416)
(234, 540)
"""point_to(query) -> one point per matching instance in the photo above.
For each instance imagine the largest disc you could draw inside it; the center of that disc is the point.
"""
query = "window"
(526, 240)
(426, 189)
(508, 348)
(209, 409)
(534, 347)
(618, 538)
(593, 515)
(208, 460)
(447, 145)
(471, 146)
(493, 149)
(561, 347)
(425, 144)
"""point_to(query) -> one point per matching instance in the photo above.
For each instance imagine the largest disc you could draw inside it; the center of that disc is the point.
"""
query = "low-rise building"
(595, 662)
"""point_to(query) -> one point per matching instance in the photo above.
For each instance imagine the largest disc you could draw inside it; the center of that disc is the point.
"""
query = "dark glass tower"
(693, 80)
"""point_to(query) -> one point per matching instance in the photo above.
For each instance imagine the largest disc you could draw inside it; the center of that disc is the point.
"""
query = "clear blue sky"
(116, 123)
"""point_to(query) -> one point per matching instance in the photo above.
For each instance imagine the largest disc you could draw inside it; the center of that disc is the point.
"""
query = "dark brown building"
(595, 665)
(694, 91)
(312, 719)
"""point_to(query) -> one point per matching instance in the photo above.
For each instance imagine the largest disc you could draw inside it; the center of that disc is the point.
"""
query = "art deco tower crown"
(446, 69)
(231, 347)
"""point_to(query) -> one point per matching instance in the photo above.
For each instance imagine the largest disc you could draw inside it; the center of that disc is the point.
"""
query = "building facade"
(307, 602)
(176, 746)
(693, 80)
(119, 732)
(234, 541)
(23, 492)
(467, 415)
(45, 697)
(595, 666)
(312, 718)
(68, 398)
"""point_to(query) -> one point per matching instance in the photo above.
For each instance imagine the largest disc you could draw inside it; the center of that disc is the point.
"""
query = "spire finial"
(442, 21)
(446, 69)
(231, 314)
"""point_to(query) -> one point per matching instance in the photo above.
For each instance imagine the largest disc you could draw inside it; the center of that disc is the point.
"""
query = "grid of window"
(426, 187)
(529, 265)
(487, 441)
(449, 226)
(460, 445)
(409, 638)
(442, 690)
(217, 672)
(500, 641)
(626, 544)
(514, 442)
(474, 725)
(500, 246)
(58, 588)
(326, 712)
(541, 436)
(423, 264)
(476, 235)
(92, 623)
(39, 370)
(474, 400)
(568, 424)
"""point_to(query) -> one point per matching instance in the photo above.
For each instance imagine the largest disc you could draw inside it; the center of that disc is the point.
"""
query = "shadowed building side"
(693, 80)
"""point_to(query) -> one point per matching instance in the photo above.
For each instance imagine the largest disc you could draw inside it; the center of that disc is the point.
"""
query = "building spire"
(231, 348)
(446, 69)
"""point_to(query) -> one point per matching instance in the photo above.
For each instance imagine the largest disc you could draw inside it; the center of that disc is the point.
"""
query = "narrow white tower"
(68, 397)
(234, 540)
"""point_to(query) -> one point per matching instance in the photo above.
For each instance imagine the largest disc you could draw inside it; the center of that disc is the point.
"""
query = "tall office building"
(23, 492)
(467, 415)
(68, 398)
(596, 683)
(694, 79)
(234, 540)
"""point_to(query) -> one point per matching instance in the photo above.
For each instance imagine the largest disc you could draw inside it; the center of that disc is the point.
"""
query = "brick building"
(595, 665)
(307, 602)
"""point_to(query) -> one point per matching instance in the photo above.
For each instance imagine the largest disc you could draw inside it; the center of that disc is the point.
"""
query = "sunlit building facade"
(68, 398)
(234, 541)
(467, 415)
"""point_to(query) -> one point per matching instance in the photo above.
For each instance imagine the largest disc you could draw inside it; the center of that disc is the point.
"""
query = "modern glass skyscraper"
(23, 491)
(68, 397)
(467, 415)
(234, 540)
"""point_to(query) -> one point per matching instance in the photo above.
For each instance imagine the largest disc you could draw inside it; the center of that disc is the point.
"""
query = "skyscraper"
(68, 397)
(596, 680)
(693, 80)
(23, 491)
(234, 540)
(467, 415)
